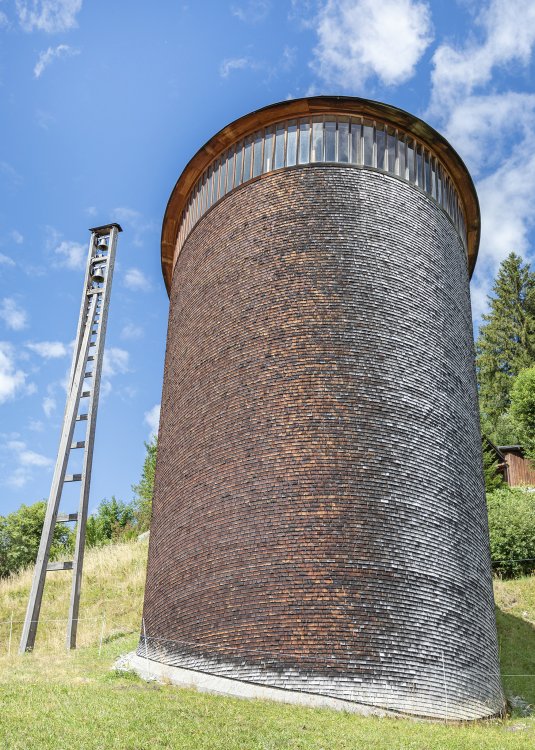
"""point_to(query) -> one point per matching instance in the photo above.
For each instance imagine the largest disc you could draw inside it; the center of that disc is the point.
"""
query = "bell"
(97, 274)
(102, 244)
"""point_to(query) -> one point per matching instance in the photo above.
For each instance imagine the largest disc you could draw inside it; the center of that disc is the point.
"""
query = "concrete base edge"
(208, 683)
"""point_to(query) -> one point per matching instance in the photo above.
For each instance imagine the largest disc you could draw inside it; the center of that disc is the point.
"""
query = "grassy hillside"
(53, 700)
(112, 588)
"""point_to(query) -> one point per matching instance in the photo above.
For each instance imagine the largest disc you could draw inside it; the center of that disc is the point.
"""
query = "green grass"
(53, 700)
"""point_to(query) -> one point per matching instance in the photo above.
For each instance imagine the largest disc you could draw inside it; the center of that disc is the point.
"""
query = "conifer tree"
(506, 341)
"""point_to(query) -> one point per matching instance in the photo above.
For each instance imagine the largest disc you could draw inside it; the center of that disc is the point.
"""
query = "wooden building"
(519, 470)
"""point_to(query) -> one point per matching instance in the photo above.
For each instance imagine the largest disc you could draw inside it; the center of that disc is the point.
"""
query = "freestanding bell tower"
(319, 522)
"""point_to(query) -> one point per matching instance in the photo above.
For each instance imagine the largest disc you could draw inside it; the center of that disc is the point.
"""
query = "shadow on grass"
(517, 656)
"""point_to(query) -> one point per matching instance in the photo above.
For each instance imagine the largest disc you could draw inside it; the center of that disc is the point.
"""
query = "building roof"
(309, 106)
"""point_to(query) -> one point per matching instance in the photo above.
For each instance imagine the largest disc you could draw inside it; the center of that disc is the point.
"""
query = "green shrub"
(20, 534)
(493, 477)
(512, 531)
(113, 520)
(523, 408)
(144, 490)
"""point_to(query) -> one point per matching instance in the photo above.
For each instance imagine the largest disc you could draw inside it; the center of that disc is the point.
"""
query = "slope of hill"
(111, 601)
(51, 699)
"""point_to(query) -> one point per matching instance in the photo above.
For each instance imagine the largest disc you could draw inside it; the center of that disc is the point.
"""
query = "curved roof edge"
(309, 106)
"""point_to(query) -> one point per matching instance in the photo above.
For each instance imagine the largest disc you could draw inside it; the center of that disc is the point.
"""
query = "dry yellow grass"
(112, 597)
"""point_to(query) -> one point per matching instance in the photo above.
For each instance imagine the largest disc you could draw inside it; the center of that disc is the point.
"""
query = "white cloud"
(234, 63)
(116, 362)
(11, 379)
(362, 38)
(36, 425)
(48, 349)
(44, 119)
(509, 30)
(137, 280)
(131, 332)
(135, 223)
(14, 317)
(492, 129)
(12, 177)
(50, 16)
(252, 11)
(51, 54)
(26, 460)
(481, 127)
(506, 198)
(49, 405)
(72, 255)
(5, 260)
(17, 237)
(152, 418)
(4, 21)
(27, 457)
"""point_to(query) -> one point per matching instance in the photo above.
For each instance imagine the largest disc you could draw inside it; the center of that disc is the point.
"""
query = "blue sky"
(101, 106)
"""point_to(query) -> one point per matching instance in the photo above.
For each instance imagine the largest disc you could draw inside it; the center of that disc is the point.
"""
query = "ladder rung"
(86, 394)
(66, 517)
(88, 375)
(90, 358)
(66, 565)
(73, 478)
(79, 444)
(81, 418)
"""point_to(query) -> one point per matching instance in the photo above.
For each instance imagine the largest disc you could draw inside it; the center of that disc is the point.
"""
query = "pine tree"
(506, 341)
(145, 488)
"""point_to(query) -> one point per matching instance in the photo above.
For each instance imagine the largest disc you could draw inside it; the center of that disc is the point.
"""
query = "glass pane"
(317, 141)
(257, 153)
(279, 146)
(419, 166)
(439, 183)
(463, 228)
(304, 142)
(433, 179)
(291, 144)
(203, 195)
(193, 210)
(330, 141)
(367, 138)
(199, 199)
(230, 169)
(239, 164)
(391, 142)
(343, 141)
(402, 161)
(215, 187)
(269, 143)
(411, 157)
(427, 171)
(222, 177)
(247, 159)
(381, 146)
(356, 148)
(208, 202)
